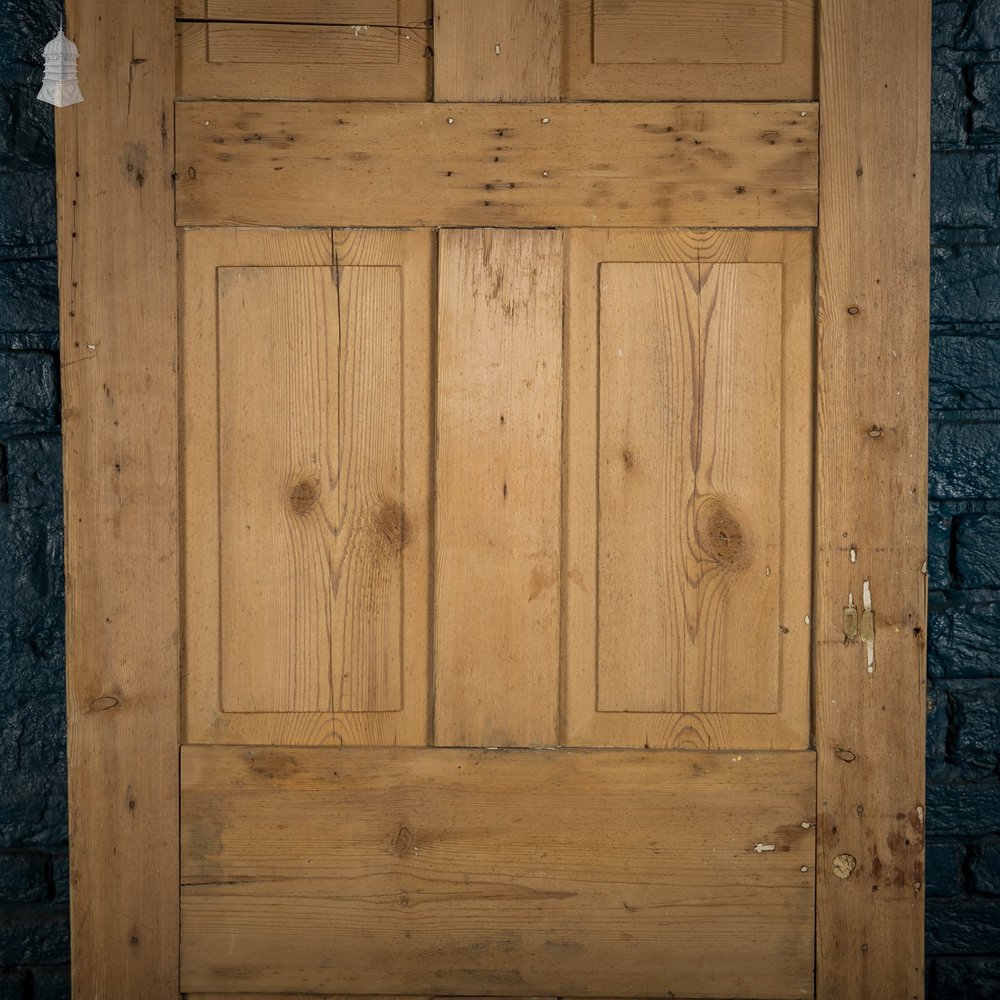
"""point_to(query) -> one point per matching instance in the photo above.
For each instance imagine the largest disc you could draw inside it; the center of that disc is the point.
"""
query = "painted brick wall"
(34, 925)
(963, 754)
(963, 882)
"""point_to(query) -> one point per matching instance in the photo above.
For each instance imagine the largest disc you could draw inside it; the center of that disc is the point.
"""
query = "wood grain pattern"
(496, 164)
(694, 50)
(368, 12)
(397, 871)
(686, 334)
(499, 396)
(689, 31)
(688, 525)
(506, 50)
(118, 351)
(311, 520)
(307, 533)
(237, 60)
(871, 496)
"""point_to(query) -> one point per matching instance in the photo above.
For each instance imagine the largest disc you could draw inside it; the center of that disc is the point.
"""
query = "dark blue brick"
(965, 641)
(964, 979)
(23, 877)
(963, 809)
(33, 772)
(949, 18)
(944, 876)
(977, 550)
(965, 460)
(968, 926)
(985, 103)
(27, 214)
(34, 471)
(948, 106)
(965, 373)
(33, 937)
(60, 877)
(974, 726)
(51, 984)
(981, 28)
(29, 298)
(28, 392)
(964, 189)
(985, 867)
(15, 984)
(965, 284)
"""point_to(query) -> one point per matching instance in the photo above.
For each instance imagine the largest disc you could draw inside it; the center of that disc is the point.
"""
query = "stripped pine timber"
(118, 354)
(499, 401)
(687, 497)
(505, 50)
(525, 165)
(306, 520)
(871, 497)
(240, 60)
(384, 13)
(696, 50)
(465, 871)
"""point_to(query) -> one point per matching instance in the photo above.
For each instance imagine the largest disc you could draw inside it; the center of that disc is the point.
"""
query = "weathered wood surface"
(689, 50)
(464, 871)
(240, 60)
(871, 496)
(499, 405)
(688, 449)
(383, 13)
(384, 164)
(504, 50)
(306, 484)
(117, 267)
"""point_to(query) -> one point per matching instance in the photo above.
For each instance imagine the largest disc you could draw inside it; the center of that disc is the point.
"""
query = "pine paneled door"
(515, 412)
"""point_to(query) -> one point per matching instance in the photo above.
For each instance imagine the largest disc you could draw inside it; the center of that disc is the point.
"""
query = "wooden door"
(537, 603)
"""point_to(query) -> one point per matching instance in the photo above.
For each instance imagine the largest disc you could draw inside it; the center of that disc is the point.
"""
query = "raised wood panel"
(719, 50)
(687, 494)
(383, 12)
(467, 872)
(291, 57)
(499, 402)
(306, 485)
(504, 50)
(298, 164)
(688, 526)
(746, 32)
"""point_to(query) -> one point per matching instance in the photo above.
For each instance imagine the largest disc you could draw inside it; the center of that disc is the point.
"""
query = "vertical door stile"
(499, 417)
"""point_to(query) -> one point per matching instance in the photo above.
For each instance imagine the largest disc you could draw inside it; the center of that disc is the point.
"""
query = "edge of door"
(869, 690)
(118, 349)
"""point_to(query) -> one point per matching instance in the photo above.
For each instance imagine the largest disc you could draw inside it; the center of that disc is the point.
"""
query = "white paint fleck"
(806, 825)
(808, 620)
(867, 630)
(804, 868)
(764, 848)
(358, 28)
(545, 121)
(91, 347)
(920, 813)
(854, 554)
(737, 758)
(451, 121)
(545, 173)
(767, 571)
(496, 48)
(923, 568)
(803, 114)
